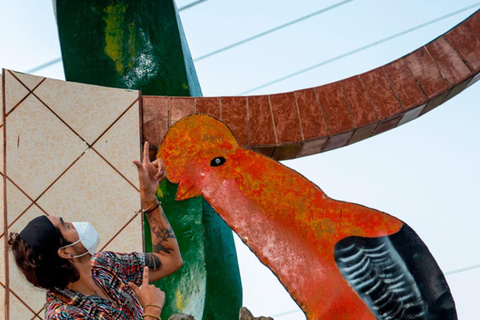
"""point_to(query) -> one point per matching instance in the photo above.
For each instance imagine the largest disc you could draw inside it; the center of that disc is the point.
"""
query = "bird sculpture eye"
(218, 161)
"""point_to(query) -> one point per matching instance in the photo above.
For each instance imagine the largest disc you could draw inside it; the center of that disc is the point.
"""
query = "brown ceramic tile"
(88, 110)
(261, 121)
(311, 116)
(2, 292)
(265, 150)
(435, 102)
(474, 23)
(15, 92)
(411, 115)
(338, 140)
(359, 102)
(456, 90)
(56, 147)
(83, 204)
(381, 93)
(287, 151)
(466, 43)
(449, 62)
(285, 116)
(209, 106)
(129, 239)
(17, 202)
(363, 133)
(28, 80)
(408, 91)
(120, 145)
(1, 106)
(312, 146)
(335, 108)
(179, 108)
(235, 116)
(426, 72)
(155, 119)
(475, 79)
(388, 124)
(20, 310)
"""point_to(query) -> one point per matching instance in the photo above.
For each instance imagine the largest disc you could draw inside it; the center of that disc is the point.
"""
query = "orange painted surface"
(286, 220)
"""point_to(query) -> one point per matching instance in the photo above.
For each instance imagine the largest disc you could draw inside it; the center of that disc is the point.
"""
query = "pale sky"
(425, 172)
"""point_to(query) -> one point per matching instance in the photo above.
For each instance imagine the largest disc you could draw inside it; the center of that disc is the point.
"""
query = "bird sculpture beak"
(186, 191)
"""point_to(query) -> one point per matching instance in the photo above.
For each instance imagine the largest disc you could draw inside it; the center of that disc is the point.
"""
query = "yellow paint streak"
(131, 44)
(179, 299)
(114, 17)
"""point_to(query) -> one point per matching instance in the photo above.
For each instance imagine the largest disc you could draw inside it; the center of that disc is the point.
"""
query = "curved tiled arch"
(304, 122)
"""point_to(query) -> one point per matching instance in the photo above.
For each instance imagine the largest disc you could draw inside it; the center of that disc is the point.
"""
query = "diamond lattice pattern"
(69, 153)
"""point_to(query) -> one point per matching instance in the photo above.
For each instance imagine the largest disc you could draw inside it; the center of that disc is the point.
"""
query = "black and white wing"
(396, 276)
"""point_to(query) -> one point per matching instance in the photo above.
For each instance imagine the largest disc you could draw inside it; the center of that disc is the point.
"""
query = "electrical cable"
(57, 60)
(44, 65)
(475, 266)
(349, 53)
(264, 33)
(472, 267)
(188, 6)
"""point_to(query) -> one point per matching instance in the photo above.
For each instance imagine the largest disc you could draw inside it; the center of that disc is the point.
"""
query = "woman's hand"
(149, 174)
(148, 294)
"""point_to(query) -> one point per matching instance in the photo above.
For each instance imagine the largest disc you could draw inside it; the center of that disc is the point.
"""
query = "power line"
(188, 6)
(286, 313)
(360, 49)
(236, 44)
(475, 266)
(57, 60)
(44, 65)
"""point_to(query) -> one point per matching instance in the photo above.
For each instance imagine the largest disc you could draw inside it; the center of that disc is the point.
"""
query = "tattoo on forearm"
(152, 261)
(157, 247)
(163, 234)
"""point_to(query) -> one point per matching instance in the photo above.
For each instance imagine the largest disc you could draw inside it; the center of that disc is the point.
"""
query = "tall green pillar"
(140, 44)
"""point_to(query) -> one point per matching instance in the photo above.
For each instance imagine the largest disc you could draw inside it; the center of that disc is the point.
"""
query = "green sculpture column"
(140, 44)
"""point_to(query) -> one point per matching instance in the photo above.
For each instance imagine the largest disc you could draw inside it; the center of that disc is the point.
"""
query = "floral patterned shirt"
(112, 271)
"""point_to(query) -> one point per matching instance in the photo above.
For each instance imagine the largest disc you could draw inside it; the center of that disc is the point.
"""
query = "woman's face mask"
(87, 236)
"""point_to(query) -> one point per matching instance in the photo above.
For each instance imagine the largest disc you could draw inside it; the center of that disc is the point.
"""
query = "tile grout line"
(329, 135)
(33, 202)
(113, 167)
(23, 84)
(37, 315)
(29, 91)
(449, 85)
(114, 122)
(390, 82)
(119, 231)
(59, 118)
(58, 178)
(416, 80)
(273, 123)
(349, 112)
(5, 221)
(141, 135)
(23, 302)
(248, 121)
(299, 117)
(19, 103)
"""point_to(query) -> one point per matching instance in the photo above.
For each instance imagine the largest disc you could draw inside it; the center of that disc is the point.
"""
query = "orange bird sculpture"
(338, 260)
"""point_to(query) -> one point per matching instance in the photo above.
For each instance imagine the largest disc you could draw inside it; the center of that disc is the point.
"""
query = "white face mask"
(87, 236)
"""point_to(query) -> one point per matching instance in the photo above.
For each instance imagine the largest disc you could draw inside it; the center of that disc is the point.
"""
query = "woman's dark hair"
(47, 272)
